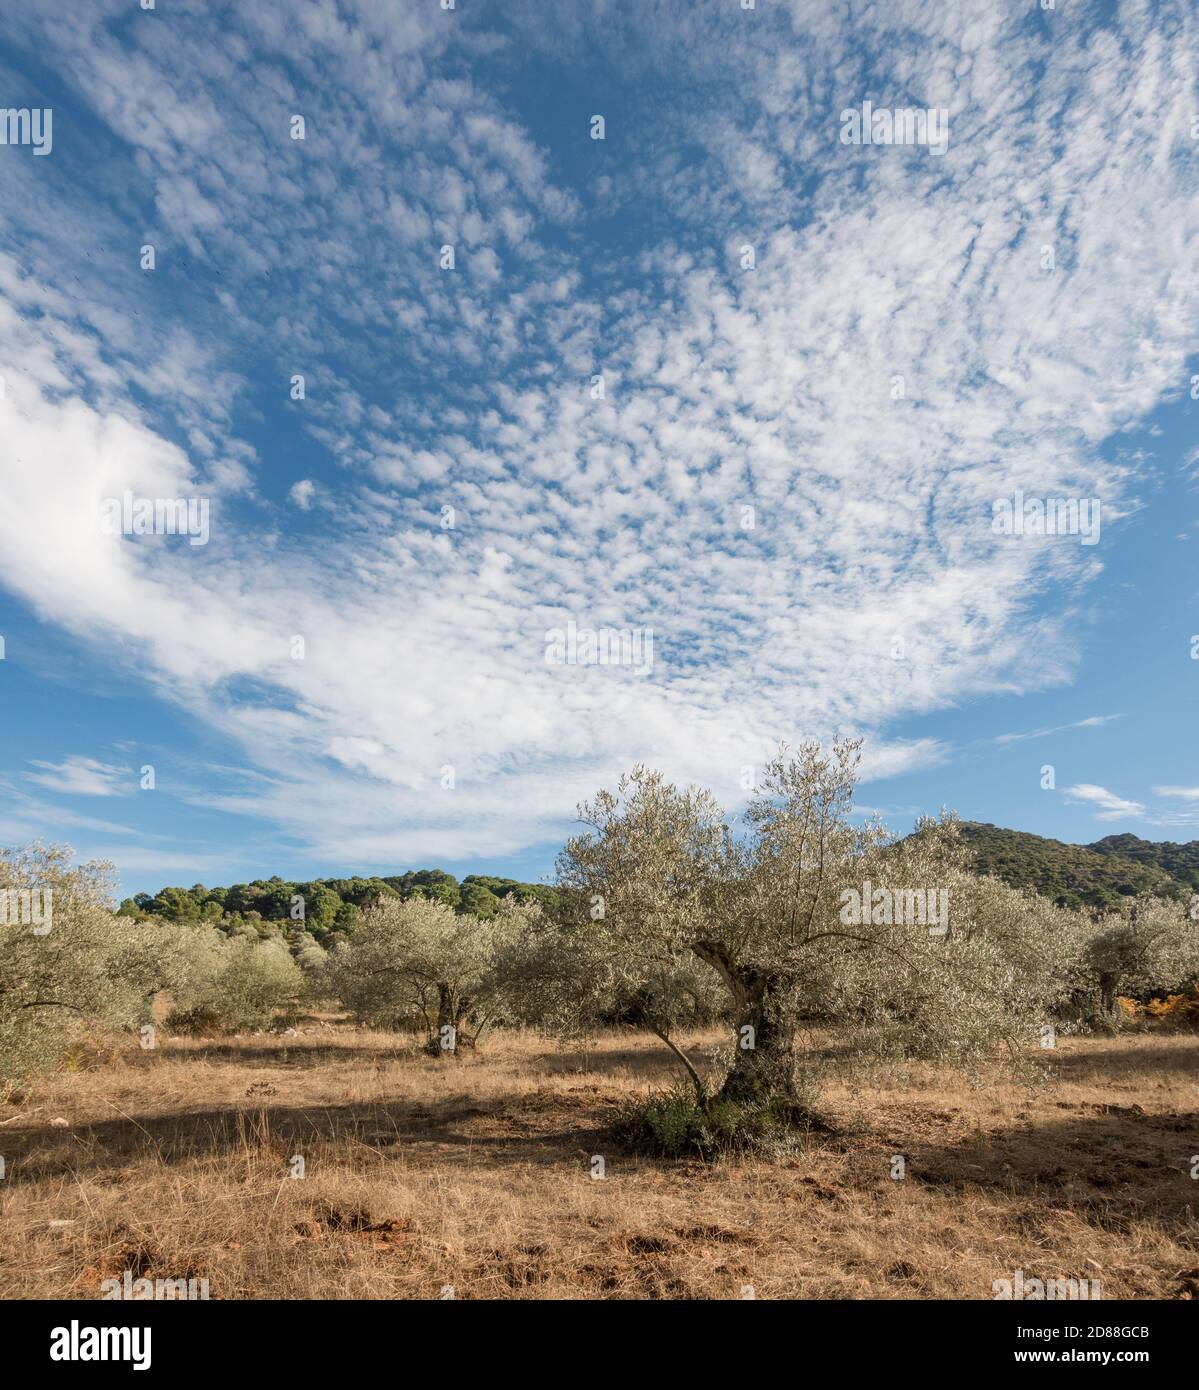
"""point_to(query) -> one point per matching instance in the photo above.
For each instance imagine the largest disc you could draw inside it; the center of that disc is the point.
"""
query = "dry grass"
(422, 1173)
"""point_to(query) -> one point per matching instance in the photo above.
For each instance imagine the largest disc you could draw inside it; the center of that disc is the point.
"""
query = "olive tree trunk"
(764, 1067)
(449, 1010)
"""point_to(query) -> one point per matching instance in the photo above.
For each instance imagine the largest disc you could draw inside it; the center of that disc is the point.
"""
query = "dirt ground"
(473, 1177)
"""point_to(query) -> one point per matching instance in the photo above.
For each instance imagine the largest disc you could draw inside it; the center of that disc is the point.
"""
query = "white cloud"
(1094, 722)
(82, 776)
(302, 493)
(1110, 806)
(771, 389)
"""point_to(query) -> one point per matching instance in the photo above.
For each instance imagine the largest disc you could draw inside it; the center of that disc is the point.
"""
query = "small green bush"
(675, 1125)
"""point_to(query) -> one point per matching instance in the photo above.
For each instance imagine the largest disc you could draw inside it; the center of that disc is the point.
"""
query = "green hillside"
(1180, 861)
(1097, 875)
(329, 904)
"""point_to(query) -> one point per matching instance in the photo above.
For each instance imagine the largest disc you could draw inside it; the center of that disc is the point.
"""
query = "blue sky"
(859, 348)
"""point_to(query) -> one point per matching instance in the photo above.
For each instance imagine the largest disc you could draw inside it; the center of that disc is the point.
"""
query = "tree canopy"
(662, 877)
(330, 906)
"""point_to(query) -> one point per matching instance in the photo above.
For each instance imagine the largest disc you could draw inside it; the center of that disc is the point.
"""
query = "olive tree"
(182, 960)
(68, 963)
(215, 979)
(313, 959)
(1150, 947)
(803, 914)
(258, 977)
(51, 982)
(419, 959)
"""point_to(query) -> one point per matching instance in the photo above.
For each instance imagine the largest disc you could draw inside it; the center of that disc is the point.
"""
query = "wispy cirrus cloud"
(1096, 721)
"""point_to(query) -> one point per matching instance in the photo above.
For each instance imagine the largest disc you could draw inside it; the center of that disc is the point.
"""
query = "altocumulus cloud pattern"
(484, 330)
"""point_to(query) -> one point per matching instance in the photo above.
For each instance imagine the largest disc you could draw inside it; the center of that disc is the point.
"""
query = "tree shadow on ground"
(1178, 1052)
(524, 1127)
(538, 1128)
(653, 1061)
(1110, 1165)
(289, 1054)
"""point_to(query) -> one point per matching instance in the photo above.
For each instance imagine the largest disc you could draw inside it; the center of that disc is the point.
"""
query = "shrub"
(676, 1125)
(1175, 1011)
(200, 1021)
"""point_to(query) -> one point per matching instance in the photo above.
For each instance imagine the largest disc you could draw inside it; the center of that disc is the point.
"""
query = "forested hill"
(1095, 875)
(328, 904)
(1180, 861)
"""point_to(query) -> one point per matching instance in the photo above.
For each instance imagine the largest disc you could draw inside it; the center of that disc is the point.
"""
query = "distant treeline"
(1098, 875)
(325, 906)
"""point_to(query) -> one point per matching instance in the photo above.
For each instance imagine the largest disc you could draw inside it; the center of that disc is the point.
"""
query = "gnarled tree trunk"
(764, 1066)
